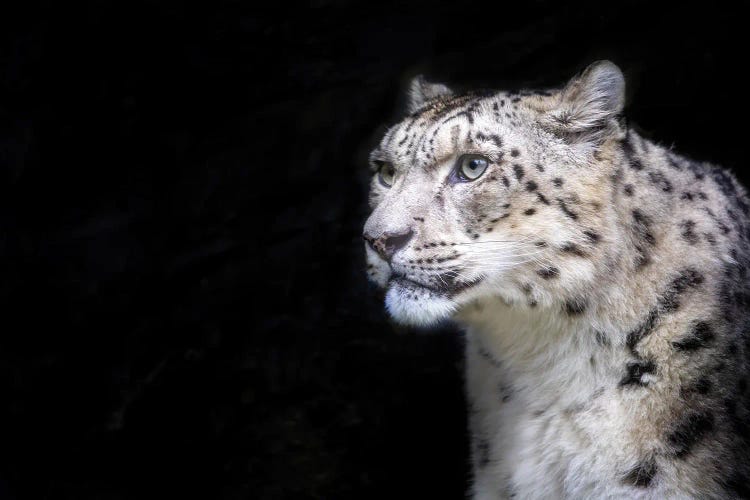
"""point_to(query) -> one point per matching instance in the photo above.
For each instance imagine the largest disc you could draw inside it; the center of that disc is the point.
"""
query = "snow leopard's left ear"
(589, 102)
(421, 91)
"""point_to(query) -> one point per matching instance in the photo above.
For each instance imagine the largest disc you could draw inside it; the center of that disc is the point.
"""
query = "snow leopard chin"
(414, 305)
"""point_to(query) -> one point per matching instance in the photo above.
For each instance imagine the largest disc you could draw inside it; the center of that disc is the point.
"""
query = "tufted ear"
(589, 101)
(421, 91)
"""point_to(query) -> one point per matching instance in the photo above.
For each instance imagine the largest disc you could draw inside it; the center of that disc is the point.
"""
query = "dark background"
(182, 190)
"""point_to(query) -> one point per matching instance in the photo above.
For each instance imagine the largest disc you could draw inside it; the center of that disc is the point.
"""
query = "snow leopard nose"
(389, 243)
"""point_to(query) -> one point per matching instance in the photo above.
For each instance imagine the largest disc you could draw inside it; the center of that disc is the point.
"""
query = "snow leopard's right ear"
(421, 91)
(585, 108)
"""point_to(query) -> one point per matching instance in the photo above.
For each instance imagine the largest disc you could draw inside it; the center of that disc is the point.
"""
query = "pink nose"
(388, 244)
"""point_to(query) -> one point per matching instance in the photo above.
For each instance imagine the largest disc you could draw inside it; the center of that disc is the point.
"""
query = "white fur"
(425, 310)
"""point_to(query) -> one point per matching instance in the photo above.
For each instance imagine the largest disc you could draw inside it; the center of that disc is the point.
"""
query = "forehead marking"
(455, 129)
(389, 137)
(411, 124)
(469, 103)
(491, 137)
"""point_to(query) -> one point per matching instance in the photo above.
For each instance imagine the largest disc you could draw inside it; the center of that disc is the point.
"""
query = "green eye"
(471, 167)
(386, 173)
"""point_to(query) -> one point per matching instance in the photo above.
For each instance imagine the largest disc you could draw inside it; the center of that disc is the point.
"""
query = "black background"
(184, 309)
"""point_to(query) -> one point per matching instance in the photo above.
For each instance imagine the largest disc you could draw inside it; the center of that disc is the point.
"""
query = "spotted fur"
(601, 280)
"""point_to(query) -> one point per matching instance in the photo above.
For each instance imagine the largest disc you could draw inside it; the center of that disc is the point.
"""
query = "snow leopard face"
(493, 194)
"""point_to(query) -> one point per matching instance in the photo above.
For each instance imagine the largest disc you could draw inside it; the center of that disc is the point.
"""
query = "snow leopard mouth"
(449, 287)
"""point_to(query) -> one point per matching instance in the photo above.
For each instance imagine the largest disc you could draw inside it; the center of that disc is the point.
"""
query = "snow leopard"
(600, 280)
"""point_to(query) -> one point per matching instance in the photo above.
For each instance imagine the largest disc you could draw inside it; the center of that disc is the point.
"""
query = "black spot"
(572, 248)
(515, 153)
(419, 219)
(529, 211)
(691, 428)
(542, 198)
(616, 176)
(601, 338)
(641, 475)
(687, 195)
(743, 206)
(673, 162)
(688, 278)
(468, 114)
(487, 356)
(688, 232)
(660, 180)
(566, 210)
(627, 147)
(635, 371)
(505, 181)
(576, 306)
(439, 199)
(697, 169)
(483, 453)
(518, 171)
(628, 189)
(548, 272)
(642, 227)
(539, 167)
(644, 328)
(491, 137)
(506, 392)
(558, 182)
(531, 186)
(541, 244)
(722, 179)
(592, 236)
(642, 259)
(700, 335)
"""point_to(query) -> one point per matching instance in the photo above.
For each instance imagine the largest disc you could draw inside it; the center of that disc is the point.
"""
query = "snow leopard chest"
(550, 426)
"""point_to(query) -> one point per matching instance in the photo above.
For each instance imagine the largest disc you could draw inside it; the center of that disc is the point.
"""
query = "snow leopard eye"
(386, 173)
(471, 167)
